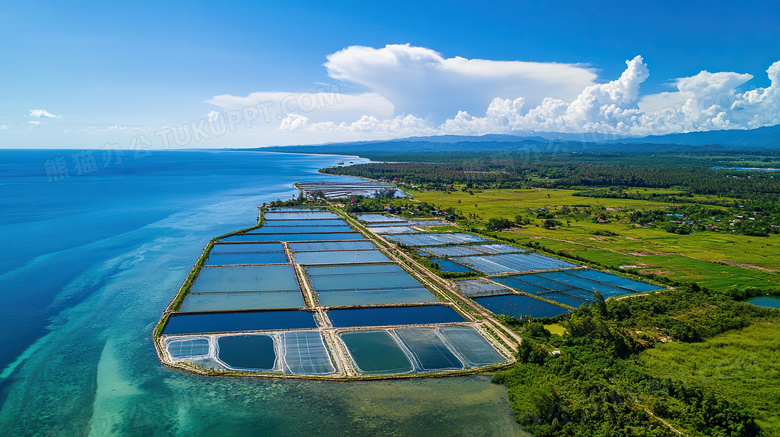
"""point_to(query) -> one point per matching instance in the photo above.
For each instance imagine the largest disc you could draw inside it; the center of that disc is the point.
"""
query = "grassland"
(715, 260)
(740, 365)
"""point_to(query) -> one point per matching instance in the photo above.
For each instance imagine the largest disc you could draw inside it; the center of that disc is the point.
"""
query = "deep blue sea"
(91, 258)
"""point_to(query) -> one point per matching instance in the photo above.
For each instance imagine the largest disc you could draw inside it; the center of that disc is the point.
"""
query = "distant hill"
(762, 138)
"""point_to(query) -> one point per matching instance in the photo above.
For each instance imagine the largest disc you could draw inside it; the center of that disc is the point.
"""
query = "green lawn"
(742, 365)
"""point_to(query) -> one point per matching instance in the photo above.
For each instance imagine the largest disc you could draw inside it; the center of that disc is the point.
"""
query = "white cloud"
(706, 101)
(33, 124)
(420, 81)
(407, 91)
(4, 126)
(41, 113)
(317, 105)
(212, 116)
(117, 127)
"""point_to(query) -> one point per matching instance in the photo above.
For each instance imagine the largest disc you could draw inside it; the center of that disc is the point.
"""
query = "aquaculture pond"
(299, 215)
(188, 347)
(296, 223)
(393, 316)
(295, 237)
(480, 286)
(516, 306)
(429, 351)
(376, 353)
(247, 352)
(300, 229)
(512, 262)
(244, 258)
(471, 345)
(331, 245)
(341, 257)
(241, 301)
(239, 321)
(446, 265)
(435, 239)
(245, 278)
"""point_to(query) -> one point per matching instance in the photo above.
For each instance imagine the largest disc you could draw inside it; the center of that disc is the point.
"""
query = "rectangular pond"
(393, 316)
(358, 277)
(376, 353)
(531, 283)
(453, 251)
(435, 239)
(295, 237)
(245, 278)
(586, 284)
(188, 348)
(331, 245)
(239, 321)
(246, 247)
(429, 351)
(375, 296)
(242, 301)
(248, 352)
(296, 223)
(516, 306)
(512, 262)
(300, 229)
(393, 230)
(446, 265)
(341, 257)
(564, 299)
(237, 258)
(472, 347)
(616, 280)
(305, 354)
(378, 218)
(301, 215)
(498, 248)
(480, 287)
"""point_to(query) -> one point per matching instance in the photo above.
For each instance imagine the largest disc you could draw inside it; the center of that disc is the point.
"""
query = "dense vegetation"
(593, 384)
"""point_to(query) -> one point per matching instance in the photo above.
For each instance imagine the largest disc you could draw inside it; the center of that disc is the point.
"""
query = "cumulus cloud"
(117, 127)
(420, 81)
(41, 113)
(4, 126)
(212, 116)
(706, 101)
(33, 124)
(407, 91)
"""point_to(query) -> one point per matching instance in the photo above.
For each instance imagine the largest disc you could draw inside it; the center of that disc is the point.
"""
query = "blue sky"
(88, 74)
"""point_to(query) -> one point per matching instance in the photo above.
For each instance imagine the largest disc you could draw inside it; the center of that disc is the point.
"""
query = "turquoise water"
(90, 263)
(765, 301)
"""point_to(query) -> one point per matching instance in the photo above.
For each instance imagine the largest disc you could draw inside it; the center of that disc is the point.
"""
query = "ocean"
(95, 246)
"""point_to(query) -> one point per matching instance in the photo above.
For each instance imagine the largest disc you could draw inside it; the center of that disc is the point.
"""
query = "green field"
(741, 365)
(716, 260)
